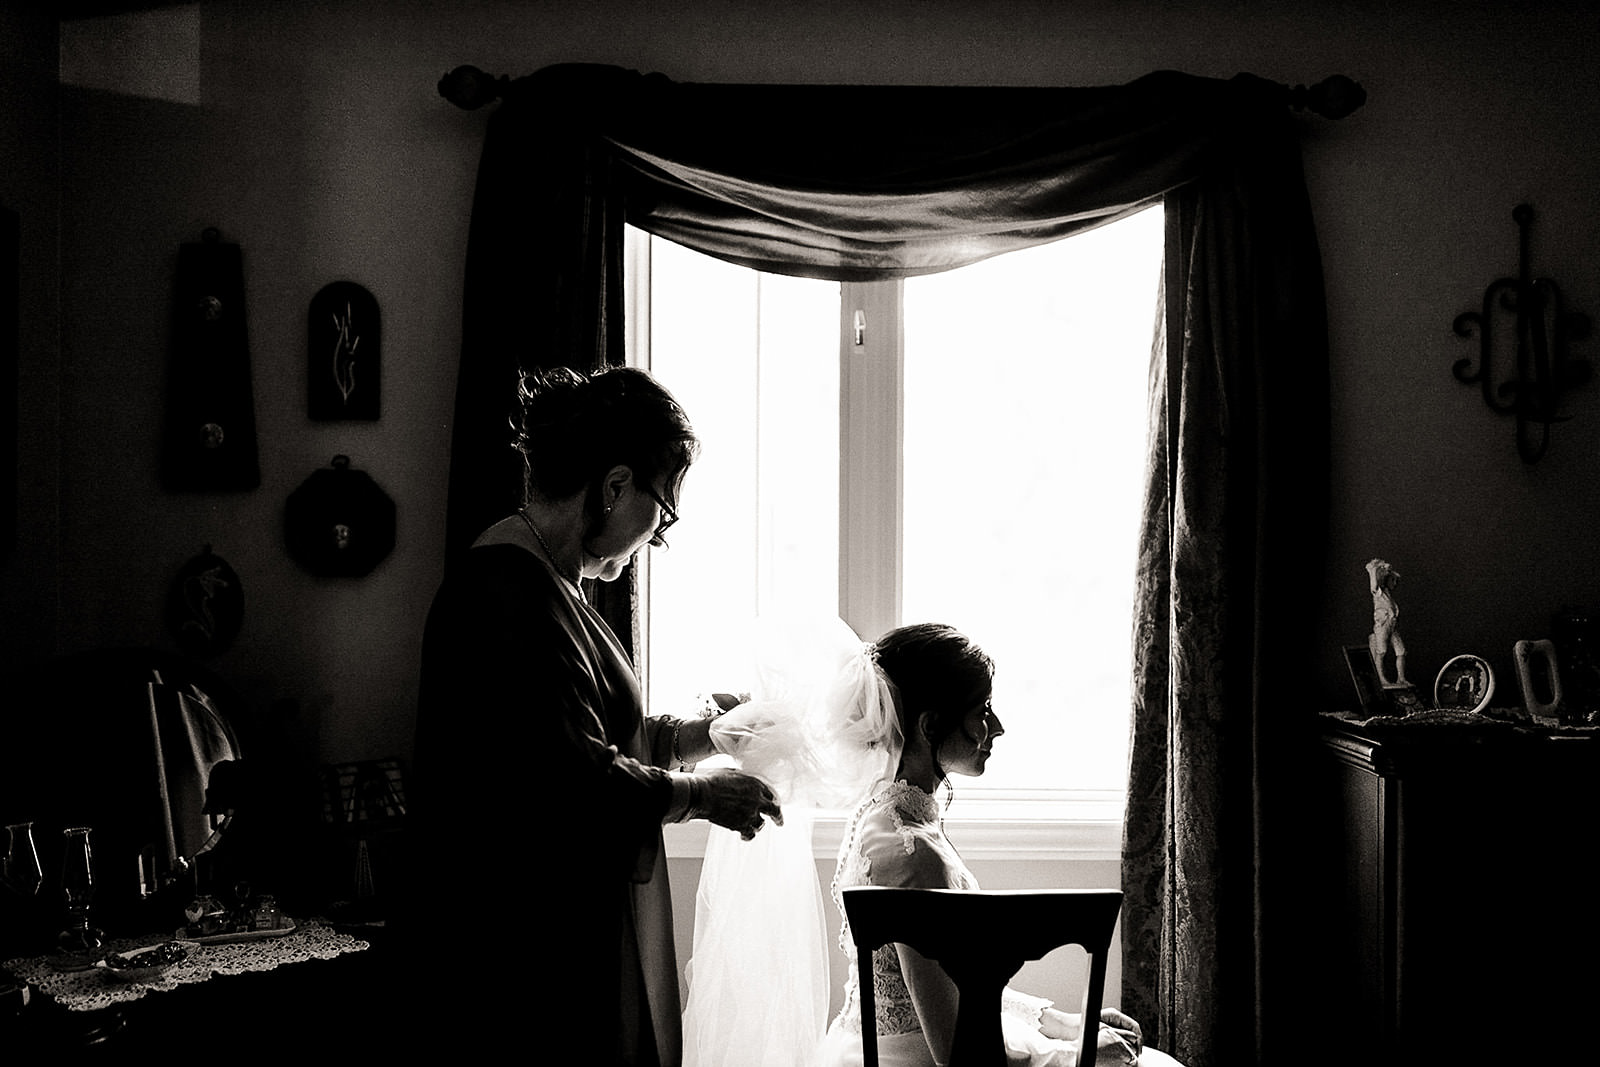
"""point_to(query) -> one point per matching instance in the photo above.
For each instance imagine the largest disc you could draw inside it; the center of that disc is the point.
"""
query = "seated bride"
(901, 714)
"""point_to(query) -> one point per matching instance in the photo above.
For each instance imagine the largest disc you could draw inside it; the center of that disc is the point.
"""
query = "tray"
(234, 936)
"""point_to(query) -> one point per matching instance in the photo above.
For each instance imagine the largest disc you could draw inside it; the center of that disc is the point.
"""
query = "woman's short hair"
(572, 428)
(937, 669)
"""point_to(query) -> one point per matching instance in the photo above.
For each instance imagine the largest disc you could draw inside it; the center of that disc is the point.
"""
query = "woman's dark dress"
(540, 799)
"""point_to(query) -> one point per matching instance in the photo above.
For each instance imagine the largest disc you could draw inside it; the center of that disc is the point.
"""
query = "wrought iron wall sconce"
(1532, 389)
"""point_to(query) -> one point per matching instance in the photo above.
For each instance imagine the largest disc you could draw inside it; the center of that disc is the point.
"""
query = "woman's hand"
(735, 800)
(1059, 1025)
(1120, 1039)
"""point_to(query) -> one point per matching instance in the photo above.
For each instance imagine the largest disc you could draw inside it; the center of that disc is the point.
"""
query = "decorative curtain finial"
(469, 88)
(1332, 98)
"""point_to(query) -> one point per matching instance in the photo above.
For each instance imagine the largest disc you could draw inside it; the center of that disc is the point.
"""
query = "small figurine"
(1382, 579)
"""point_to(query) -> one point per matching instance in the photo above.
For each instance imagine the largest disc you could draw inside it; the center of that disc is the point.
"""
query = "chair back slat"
(982, 938)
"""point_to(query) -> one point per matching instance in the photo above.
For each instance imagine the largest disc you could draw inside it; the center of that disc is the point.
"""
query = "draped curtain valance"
(839, 182)
(860, 183)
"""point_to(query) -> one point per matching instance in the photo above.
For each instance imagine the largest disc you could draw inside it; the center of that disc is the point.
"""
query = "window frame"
(871, 471)
(998, 824)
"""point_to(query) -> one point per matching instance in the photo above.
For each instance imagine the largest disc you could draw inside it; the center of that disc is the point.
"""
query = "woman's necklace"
(546, 546)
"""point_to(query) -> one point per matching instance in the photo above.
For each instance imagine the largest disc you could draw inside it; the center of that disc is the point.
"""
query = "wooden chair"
(982, 938)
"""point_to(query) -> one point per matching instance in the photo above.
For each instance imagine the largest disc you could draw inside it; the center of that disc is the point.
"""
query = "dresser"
(1461, 887)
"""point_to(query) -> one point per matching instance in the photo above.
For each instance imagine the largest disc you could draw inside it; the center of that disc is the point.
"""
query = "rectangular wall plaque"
(342, 353)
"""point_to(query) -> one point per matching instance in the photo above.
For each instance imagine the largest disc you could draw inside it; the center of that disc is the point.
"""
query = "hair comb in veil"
(821, 726)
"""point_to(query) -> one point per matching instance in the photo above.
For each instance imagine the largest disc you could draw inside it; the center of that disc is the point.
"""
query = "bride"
(899, 716)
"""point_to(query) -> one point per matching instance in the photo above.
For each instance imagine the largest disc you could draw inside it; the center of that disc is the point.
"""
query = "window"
(965, 447)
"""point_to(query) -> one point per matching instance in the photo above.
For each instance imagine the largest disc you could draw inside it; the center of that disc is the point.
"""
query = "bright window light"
(1025, 406)
(1018, 391)
(754, 360)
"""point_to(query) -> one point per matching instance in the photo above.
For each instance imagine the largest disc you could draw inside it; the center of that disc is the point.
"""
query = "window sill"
(988, 825)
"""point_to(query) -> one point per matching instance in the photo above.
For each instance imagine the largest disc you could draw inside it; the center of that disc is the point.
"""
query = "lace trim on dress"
(909, 803)
(909, 807)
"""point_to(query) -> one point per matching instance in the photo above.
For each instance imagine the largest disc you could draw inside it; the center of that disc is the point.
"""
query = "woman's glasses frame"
(669, 515)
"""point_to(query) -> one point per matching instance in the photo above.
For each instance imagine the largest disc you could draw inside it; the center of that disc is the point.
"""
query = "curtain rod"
(1334, 97)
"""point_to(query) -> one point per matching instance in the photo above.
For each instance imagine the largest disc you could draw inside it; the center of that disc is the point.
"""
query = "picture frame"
(1465, 683)
(1364, 676)
(1539, 677)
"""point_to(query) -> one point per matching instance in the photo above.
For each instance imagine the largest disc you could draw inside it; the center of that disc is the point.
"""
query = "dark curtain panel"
(790, 179)
(542, 288)
(1215, 925)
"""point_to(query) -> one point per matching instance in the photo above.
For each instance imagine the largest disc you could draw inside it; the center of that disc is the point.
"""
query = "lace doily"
(94, 988)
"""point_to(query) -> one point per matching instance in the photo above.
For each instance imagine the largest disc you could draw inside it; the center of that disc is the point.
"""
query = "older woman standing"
(541, 786)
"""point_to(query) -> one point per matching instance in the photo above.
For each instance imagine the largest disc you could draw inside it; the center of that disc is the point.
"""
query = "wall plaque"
(342, 349)
(210, 434)
(339, 522)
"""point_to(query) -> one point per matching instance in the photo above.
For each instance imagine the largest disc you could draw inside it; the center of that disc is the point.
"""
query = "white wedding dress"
(758, 977)
(896, 838)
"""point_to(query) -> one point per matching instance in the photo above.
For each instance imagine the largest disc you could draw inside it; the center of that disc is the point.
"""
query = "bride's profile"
(874, 729)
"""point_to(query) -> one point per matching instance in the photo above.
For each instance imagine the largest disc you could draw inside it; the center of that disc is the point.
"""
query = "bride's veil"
(819, 729)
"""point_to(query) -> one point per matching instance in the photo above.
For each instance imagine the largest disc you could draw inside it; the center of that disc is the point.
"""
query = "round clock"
(1464, 684)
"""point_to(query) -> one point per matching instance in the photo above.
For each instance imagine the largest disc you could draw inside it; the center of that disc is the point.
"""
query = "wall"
(29, 152)
(312, 135)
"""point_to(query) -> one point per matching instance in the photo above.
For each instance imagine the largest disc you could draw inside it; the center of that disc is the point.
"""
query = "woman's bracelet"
(677, 755)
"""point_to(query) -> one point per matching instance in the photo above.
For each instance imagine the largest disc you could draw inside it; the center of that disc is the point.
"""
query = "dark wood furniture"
(1464, 904)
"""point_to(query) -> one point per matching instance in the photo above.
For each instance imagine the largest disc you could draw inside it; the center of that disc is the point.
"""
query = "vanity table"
(166, 762)
(249, 994)
(1463, 907)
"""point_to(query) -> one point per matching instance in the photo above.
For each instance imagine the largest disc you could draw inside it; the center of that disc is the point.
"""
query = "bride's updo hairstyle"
(572, 428)
(832, 713)
(936, 669)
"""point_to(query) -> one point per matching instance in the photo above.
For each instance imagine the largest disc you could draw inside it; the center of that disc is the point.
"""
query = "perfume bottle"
(267, 915)
(204, 916)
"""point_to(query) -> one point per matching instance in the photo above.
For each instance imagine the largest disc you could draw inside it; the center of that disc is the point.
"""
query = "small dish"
(148, 964)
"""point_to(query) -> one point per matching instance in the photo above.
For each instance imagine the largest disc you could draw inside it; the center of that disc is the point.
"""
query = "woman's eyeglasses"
(668, 516)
